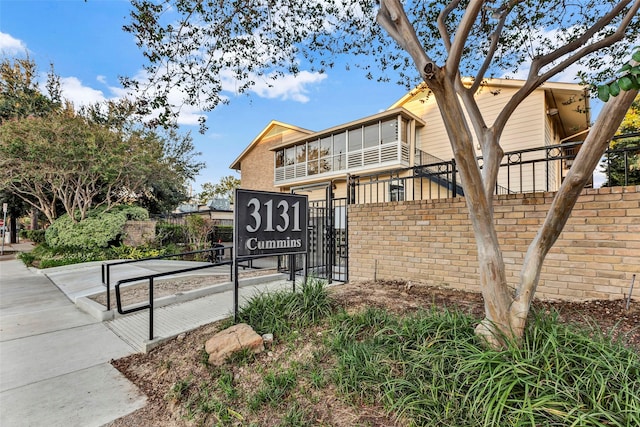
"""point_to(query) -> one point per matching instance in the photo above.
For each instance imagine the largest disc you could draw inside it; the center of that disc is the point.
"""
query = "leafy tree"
(193, 45)
(224, 189)
(622, 162)
(19, 93)
(52, 156)
(20, 98)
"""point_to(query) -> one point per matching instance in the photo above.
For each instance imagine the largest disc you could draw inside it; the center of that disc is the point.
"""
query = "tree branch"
(585, 162)
(442, 24)
(392, 17)
(534, 80)
(541, 61)
(464, 28)
(495, 39)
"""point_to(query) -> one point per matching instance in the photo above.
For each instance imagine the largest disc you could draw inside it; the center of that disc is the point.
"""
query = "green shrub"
(167, 233)
(36, 236)
(100, 229)
(27, 258)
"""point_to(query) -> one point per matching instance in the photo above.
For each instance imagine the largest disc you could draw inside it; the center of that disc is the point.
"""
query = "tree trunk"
(496, 294)
(583, 166)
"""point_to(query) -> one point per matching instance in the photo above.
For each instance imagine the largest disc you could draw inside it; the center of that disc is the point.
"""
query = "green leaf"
(614, 89)
(603, 93)
(625, 83)
(636, 56)
(626, 67)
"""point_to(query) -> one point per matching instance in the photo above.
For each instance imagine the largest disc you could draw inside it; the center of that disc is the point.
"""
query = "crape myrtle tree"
(198, 47)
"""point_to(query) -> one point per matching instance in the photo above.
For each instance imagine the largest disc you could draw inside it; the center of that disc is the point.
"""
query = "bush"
(167, 233)
(36, 236)
(100, 229)
(431, 369)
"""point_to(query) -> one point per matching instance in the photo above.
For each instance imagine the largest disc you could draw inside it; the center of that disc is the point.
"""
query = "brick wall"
(137, 233)
(432, 242)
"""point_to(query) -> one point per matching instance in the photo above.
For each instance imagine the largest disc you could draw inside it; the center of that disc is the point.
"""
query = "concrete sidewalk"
(54, 357)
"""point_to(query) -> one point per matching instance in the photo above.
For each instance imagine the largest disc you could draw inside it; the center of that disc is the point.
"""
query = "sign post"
(268, 224)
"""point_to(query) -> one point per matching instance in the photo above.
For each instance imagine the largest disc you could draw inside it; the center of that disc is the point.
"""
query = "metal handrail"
(106, 266)
(445, 172)
(150, 278)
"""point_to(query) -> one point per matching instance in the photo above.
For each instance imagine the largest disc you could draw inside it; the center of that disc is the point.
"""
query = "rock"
(238, 337)
(267, 339)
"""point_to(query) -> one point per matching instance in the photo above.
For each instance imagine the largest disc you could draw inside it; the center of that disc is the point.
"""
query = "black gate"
(328, 238)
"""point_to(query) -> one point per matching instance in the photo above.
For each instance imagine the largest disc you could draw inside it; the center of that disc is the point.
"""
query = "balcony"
(370, 144)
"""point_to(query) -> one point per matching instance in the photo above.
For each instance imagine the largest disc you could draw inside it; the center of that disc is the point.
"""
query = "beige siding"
(525, 129)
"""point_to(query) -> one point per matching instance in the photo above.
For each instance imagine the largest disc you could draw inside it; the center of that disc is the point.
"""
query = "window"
(389, 131)
(325, 146)
(339, 143)
(405, 130)
(355, 139)
(301, 153)
(312, 165)
(290, 156)
(371, 135)
(279, 158)
(396, 191)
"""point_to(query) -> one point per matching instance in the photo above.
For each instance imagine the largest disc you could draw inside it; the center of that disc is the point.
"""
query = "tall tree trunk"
(583, 166)
(495, 292)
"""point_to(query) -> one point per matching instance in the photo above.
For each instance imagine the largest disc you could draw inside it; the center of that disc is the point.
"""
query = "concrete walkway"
(54, 358)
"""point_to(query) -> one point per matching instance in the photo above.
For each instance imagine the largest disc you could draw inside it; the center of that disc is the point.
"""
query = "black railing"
(213, 255)
(522, 171)
(150, 278)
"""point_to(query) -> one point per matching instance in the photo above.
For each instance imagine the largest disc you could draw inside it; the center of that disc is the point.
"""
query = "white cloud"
(76, 92)
(11, 46)
(289, 87)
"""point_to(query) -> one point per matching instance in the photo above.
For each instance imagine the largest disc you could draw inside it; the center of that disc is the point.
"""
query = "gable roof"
(271, 128)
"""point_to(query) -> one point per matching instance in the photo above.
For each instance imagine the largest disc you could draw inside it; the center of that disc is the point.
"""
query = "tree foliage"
(223, 189)
(197, 48)
(622, 161)
(51, 155)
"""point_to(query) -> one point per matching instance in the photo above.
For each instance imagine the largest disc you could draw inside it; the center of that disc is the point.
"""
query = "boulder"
(238, 337)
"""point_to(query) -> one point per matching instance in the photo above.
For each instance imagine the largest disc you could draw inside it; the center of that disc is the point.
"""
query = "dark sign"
(268, 223)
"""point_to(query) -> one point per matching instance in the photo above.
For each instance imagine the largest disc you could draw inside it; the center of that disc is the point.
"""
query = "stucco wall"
(432, 242)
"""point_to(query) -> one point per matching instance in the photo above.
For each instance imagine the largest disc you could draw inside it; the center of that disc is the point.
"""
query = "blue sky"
(89, 49)
(86, 44)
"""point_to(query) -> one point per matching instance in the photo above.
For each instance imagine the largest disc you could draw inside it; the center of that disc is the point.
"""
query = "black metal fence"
(522, 171)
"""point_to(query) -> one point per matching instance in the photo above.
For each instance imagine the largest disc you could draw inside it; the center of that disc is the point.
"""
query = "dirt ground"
(156, 372)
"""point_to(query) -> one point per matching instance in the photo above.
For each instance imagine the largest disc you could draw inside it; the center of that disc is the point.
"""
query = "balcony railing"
(382, 154)
(522, 171)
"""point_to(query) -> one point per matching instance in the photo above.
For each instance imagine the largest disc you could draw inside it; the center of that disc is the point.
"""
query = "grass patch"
(421, 369)
(431, 369)
(283, 312)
